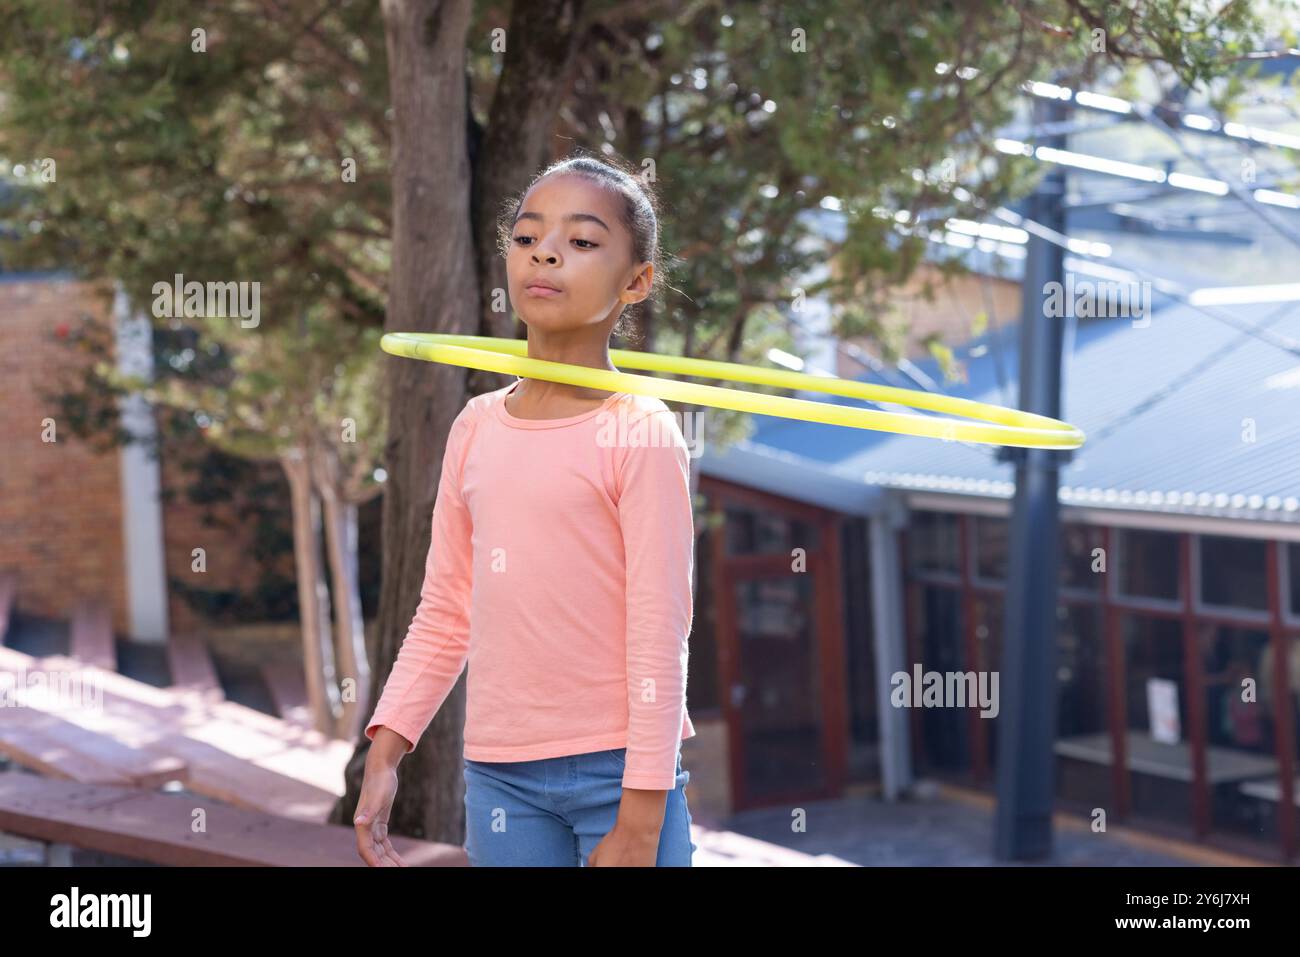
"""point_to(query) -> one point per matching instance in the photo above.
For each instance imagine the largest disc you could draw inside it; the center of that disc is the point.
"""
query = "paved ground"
(937, 831)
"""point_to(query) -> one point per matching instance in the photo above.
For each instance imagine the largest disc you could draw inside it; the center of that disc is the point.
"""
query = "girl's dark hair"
(638, 212)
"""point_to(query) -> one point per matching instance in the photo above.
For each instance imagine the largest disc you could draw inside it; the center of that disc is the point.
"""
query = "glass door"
(782, 668)
(777, 694)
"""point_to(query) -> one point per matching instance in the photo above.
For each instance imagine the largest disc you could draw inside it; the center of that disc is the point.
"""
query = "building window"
(1232, 572)
(989, 630)
(1291, 707)
(1241, 767)
(1232, 665)
(992, 548)
(1081, 568)
(702, 674)
(1159, 762)
(754, 532)
(933, 544)
(944, 735)
(859, 652)
(1148, 564)
(1083, 727)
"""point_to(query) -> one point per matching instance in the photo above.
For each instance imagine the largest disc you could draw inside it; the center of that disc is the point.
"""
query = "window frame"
(973, 558)
(1208, 610)
(929, 575)
(1139, 602)
(1290, 615)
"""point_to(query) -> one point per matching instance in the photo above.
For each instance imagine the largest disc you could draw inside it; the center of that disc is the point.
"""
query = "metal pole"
(1027, 679)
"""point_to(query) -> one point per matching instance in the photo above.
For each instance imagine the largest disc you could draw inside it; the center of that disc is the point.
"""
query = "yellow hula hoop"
(999, 425)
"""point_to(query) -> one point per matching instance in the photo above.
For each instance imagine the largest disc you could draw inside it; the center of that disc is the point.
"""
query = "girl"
(559, 569)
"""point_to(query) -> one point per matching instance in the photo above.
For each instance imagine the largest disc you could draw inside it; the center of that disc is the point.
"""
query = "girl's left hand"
(625, 848)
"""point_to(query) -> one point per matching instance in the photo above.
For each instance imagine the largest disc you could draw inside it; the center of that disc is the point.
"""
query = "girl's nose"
(542, 252)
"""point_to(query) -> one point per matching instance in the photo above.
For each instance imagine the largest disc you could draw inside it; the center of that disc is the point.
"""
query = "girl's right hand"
(378, 789)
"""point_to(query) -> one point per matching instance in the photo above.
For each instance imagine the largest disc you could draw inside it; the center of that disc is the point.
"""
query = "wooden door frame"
(825, 564)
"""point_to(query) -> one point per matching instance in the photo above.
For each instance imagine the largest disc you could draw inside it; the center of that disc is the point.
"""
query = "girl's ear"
(639, 288)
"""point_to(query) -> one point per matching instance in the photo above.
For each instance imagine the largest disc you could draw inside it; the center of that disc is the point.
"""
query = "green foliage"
(220, 164)
(943, 355)
(226, 160)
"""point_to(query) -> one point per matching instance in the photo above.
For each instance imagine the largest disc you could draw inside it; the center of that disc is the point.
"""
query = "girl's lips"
(543, 291)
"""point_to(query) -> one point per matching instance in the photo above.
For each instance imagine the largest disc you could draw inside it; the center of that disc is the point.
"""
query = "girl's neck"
(582, 347)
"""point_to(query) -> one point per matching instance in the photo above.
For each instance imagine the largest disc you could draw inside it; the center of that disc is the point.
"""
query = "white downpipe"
(142, 529)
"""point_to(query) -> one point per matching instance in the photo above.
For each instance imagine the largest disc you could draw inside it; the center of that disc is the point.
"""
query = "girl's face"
(568, 237)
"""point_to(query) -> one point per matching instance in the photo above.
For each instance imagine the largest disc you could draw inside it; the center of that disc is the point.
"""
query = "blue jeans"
(554, 811)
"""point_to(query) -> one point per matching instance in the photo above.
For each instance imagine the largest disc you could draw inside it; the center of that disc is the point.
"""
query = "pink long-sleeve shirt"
(559, 570)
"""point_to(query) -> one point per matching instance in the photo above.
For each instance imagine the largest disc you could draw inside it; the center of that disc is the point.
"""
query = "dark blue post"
(1027, 679)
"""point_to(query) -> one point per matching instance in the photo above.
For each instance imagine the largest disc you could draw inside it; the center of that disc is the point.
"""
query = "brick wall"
(60, 502)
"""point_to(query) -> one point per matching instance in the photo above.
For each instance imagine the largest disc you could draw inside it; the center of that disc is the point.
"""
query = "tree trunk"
(433, 287)
(345, 587)
(535, 76)
(313, 598)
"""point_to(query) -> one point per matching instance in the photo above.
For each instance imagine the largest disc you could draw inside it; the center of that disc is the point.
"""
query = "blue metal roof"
(1168, 411)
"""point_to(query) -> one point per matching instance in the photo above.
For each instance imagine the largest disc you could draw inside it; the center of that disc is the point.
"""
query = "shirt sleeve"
(655, 513)
(436, 646)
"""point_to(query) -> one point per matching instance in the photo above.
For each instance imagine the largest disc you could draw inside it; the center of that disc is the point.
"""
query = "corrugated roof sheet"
(1189, 414)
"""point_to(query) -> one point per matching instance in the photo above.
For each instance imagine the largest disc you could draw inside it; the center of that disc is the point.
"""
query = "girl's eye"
(521, 242)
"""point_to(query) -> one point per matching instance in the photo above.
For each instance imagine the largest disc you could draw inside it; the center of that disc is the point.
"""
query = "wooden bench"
(288, 688)
(50, 745)
(231, 752)
(92, 635)
(159, 828)
(192, 667)
(8, 593)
